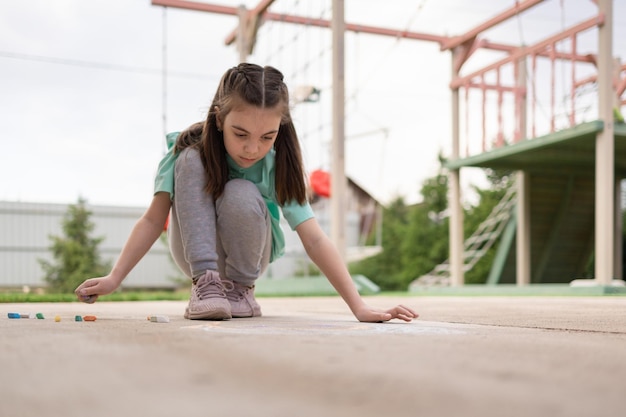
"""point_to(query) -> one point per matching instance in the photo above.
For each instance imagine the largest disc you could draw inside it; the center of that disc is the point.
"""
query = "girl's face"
(249, 133)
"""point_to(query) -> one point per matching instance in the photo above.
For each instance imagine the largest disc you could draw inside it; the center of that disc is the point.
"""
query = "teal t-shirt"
(261, 174)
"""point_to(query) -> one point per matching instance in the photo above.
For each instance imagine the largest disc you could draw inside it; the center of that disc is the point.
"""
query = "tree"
(425, 243)
(415, 238)
(385, 269)
(75, 254)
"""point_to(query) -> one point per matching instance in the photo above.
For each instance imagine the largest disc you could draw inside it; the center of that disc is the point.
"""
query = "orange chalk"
(89, 318)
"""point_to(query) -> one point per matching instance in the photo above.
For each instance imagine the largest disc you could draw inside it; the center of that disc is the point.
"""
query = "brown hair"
(253, 85)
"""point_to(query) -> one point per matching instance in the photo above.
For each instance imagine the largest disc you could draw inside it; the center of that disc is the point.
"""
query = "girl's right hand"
(91, 289)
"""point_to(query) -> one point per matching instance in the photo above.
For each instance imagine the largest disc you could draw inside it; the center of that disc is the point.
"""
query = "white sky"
(81, 87)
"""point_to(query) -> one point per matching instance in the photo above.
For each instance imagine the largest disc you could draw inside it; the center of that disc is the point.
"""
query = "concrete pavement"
(464, 356)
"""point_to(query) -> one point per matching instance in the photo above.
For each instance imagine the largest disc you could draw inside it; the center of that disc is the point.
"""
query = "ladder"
(477, 245)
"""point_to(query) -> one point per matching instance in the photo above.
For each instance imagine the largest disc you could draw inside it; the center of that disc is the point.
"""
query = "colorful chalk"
(159, 319)
(57, 318)
(21, 315)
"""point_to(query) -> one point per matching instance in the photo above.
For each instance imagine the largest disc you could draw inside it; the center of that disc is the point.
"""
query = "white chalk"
(159, 319)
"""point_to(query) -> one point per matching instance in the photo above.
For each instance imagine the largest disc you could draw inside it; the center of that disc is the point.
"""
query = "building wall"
(26, 228)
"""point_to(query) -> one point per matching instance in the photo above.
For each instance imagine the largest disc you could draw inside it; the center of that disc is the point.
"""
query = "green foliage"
(122, 295)
(75, 254)
(435, 193)
(474, 216)
(416, 238)
(425, 243)
(385, 269)
(500, 179)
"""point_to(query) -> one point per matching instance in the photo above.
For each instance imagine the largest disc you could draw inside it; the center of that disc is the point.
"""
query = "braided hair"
(249, 85)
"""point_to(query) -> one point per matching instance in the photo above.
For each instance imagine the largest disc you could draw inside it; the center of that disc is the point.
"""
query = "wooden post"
(605, 153)
(338, 175)
(457, 278)
(242, 34)
(523, 247)
(618, 260)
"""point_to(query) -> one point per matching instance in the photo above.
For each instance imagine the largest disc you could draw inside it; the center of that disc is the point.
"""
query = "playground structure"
(568, 167)
(567, 204)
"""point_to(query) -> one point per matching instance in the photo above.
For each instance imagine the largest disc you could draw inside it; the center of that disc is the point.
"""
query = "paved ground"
(465, 356)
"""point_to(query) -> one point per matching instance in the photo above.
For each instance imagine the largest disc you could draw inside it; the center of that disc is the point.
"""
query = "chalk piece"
(24, 315)
(159, 319)
(40, 316)
(78, 318)
(89, 299)
(89, 318)
(57, 318)
(14, 315)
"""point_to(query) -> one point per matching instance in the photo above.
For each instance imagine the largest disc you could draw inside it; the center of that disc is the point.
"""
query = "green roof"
(570, 149)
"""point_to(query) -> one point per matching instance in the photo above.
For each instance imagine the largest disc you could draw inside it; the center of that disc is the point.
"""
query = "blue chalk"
(14, 315)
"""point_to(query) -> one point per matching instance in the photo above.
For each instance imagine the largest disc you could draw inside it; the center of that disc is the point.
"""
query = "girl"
(224, 181)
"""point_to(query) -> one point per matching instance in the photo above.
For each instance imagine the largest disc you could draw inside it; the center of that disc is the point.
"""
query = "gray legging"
(232, 235)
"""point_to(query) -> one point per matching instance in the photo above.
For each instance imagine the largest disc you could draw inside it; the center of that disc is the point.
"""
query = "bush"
(75, 254)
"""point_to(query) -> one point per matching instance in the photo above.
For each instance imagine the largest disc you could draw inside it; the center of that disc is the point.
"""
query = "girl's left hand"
(368, 314)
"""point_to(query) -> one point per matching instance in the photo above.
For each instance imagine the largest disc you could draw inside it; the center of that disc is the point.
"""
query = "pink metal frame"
(545, 48)
(462, 47)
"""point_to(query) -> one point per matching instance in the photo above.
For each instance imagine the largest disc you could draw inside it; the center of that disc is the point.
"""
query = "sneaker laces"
(237, 291)
(210, 286)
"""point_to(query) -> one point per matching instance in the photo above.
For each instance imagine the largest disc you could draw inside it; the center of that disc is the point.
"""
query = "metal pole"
(605, 152)
(456, 212)
(618, 258)
(164, 75)
(338, 176)
(242, 38)
(523, 247)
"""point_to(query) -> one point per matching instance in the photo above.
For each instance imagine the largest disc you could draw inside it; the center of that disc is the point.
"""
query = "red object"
(167, 223)
(320, 182)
